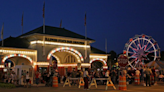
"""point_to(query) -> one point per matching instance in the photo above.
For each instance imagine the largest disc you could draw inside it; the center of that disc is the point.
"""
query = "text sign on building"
(122, 60)
(63, 41)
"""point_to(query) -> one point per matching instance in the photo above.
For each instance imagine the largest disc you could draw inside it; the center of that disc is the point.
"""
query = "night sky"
(114, 20)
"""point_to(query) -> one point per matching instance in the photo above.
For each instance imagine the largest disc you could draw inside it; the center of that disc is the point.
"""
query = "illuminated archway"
(67, 49)
(14, 55)
(98, 59)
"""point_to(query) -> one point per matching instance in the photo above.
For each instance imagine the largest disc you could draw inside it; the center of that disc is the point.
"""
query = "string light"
(99, 59)
(105, 67)
(65, 48)
(58, 43)
(14, 51)
(1, 66)
(95, 56)
(14, 55)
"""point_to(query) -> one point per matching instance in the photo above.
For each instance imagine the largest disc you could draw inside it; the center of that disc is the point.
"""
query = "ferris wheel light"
(138, 49)
(124, 52)
(143, 36)
(131, 40)
(155, 43)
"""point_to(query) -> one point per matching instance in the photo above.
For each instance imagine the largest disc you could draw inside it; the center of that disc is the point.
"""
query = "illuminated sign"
(63, 41)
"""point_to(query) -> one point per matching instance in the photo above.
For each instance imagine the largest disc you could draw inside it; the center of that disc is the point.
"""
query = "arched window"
(70, 59)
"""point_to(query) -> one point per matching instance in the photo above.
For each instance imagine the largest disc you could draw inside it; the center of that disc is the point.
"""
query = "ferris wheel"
(141, 49)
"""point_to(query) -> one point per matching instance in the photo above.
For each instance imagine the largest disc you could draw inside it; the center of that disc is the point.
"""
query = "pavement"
(100, 88)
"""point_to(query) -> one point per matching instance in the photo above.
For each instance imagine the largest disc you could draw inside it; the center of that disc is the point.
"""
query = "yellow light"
(105, 67)
(1, 66)
(58, 43)
(62, 65)
(42, 63)
(85, 64)
(14, 51)
(96, 56)
(34, 63)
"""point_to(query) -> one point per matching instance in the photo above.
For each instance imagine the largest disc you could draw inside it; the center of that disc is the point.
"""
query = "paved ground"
(100, 88)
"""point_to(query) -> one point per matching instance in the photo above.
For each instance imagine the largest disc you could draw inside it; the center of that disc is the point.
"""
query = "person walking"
(27, 79)
(113, 76)
(24, 77)
(106, 76)
(86, 76)
(142, 76)
(73, 75)
(37, 78)
(148, 73)
(154, 75)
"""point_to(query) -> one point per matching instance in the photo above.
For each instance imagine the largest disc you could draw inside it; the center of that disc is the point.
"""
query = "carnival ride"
(141, 49)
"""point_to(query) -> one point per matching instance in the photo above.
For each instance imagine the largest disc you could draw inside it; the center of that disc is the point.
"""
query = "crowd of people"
(148, 76)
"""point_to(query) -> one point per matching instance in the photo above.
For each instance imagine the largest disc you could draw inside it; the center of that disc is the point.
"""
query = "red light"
(131, 40)
(124, 52)
(143, 36)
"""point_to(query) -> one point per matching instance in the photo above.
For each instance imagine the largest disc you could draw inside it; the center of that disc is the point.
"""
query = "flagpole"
(85, 42)
(44, 29)
(61, 23)
(106, 45)
(85, 37)
(2, 33)
(22, 22)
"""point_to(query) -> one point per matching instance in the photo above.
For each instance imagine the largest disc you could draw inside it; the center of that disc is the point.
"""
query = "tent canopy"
(157, 64)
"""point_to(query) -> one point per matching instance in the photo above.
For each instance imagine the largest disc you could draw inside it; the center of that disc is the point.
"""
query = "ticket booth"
(19, 72)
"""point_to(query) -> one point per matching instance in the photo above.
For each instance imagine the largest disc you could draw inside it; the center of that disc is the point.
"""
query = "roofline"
(57, 36)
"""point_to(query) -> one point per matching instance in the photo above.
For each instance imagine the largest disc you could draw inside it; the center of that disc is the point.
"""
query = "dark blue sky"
(116, 20)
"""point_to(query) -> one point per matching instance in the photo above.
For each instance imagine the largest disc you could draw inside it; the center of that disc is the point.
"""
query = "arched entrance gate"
(67, 58)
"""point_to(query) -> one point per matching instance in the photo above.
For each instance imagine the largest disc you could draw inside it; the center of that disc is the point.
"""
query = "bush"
(7, 85)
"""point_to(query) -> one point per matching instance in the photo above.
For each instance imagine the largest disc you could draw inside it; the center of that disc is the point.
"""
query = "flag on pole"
(43, 9)
(60, 23)
(22, 20)
(2, 33)
(85, 19)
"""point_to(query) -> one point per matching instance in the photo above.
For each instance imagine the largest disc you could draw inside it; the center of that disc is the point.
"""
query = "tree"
(162, 55)
(112, 59)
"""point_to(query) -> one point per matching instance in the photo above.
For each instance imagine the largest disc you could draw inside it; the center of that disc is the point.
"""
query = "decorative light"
(58, 43)
(85, 64)
(1, 66)
(65, 48)
(99, 59)
(62, 65)
(95, 56)
(14, 51)
(42, 63)
(105, 67)
(19, 55)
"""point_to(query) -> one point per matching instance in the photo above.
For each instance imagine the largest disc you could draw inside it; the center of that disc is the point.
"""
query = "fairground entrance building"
(68, 49)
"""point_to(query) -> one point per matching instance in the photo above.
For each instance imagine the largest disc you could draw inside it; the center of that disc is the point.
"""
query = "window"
(70, 59)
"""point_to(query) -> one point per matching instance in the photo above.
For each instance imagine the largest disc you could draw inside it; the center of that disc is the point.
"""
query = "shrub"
(7, 85)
